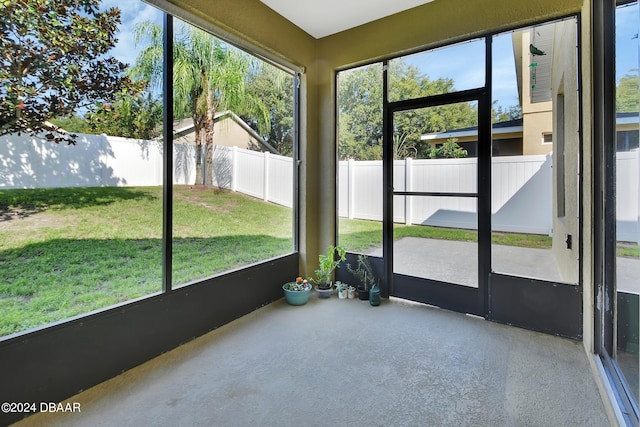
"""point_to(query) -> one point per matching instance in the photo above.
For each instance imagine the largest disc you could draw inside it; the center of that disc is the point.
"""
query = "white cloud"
(132, 12)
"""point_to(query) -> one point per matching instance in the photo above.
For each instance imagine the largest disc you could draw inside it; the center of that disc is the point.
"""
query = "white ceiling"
(321, 18)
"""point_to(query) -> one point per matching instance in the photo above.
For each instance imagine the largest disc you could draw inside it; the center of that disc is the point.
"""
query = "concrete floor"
(344, 363)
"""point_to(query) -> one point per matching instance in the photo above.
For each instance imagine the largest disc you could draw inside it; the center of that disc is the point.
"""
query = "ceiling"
(321, 18)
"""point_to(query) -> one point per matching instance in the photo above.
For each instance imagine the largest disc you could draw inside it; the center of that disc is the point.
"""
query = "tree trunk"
(197, 126)
(209, 122)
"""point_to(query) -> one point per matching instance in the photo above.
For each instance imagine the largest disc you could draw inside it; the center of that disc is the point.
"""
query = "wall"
(229, 133)
(563, 82)
(536, 116)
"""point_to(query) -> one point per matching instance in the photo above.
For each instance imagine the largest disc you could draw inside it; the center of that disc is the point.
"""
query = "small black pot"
(363, 294)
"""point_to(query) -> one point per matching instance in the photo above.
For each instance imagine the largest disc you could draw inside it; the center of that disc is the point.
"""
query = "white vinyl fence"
(262, 175)
(522, 199)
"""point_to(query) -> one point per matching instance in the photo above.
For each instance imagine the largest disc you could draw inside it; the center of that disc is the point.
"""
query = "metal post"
(167, 182)
(387, 179)
(484, 186)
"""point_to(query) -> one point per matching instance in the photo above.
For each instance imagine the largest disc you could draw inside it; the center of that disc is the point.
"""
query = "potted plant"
(351, 292)
(298, 292)
(364, 273)
(326, 265)
(342, 289)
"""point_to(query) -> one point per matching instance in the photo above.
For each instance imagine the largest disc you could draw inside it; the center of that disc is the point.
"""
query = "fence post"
(408, 186)
(637, 181)
(350, 183)
(234, 168)
(266, 177)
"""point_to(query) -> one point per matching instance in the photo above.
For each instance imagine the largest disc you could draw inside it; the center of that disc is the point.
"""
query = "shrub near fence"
(521, 185)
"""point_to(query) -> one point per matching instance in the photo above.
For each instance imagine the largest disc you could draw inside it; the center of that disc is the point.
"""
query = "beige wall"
(564, 83)
(534, 125)
(229, 133)
(537, 118)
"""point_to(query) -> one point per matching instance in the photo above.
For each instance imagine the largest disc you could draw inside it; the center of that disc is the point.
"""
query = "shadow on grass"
(26, 202)
(54, 280)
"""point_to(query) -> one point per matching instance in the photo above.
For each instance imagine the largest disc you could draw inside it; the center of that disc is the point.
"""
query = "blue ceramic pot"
(296, 297)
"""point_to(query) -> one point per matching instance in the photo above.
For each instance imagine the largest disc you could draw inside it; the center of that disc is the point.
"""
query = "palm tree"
(208, 76)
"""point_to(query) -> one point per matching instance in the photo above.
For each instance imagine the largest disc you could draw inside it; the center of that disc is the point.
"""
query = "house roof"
(509, 126)
(185, 126)
(627, 118)
(513, 126)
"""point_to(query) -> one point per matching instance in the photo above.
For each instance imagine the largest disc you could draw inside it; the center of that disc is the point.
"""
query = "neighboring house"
(508, 137)
(627, 131)
(533, 133)
(229, 130)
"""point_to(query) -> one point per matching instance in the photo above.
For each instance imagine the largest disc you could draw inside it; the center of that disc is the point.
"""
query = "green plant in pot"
(327, 263)
(364, 274)
(298, 292)
(342, 289)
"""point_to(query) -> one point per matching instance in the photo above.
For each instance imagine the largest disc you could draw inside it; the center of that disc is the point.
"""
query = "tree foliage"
(448, 150)
(208, 76)
(53, 62)
(360, 112)
(129, 117)
(73, 124)
(627, 93)
(500, 114)
(275, 89)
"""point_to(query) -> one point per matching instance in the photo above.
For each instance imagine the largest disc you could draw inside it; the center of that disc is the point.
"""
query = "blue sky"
(464, 63)
(627, 27)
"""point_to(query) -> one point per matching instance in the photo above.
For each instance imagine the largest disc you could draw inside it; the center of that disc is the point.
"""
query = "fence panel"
(366, 199)
(627, 189)
(522, 194)
(344, 188)
(249, 175)
(280, 180)
(222, 175)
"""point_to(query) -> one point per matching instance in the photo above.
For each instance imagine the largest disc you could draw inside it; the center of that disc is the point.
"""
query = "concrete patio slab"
(344, 363)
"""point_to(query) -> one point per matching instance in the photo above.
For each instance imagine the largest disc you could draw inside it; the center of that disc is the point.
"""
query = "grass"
(363, 236)
(65, 252)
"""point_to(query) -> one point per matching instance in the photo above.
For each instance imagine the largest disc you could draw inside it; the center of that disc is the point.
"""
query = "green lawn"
(69, 251)
(363, 236)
